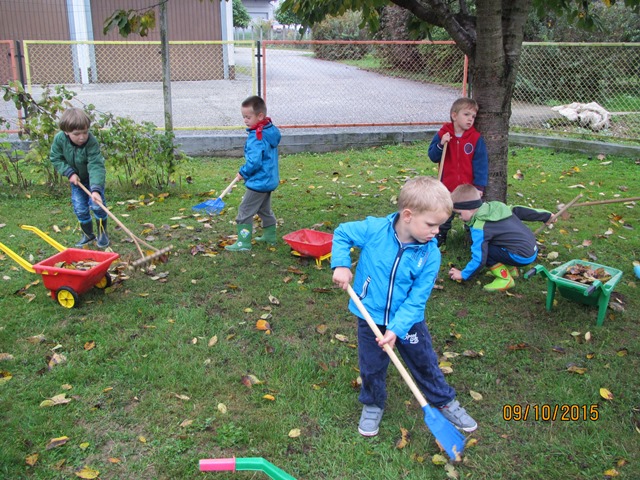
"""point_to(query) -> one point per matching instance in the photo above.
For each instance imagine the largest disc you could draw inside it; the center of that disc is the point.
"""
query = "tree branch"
(460, 25)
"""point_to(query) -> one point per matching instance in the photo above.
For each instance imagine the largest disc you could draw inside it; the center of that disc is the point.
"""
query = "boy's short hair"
(465, 193)
(256, 103)
(74, 119)
(464, 102)
(425, 194)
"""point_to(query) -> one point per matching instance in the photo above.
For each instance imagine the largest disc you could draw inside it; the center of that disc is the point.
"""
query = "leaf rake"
(145, 259)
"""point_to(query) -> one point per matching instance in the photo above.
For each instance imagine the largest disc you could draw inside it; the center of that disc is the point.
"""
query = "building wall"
(188, 20)
(259, 9)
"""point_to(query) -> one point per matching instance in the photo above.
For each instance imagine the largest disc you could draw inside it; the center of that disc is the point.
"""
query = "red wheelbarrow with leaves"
(69, 273)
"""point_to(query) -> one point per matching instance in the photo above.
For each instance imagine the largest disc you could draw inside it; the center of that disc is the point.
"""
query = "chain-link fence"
(125, 78)
(338, 83)
(577, 76)
(361, 83)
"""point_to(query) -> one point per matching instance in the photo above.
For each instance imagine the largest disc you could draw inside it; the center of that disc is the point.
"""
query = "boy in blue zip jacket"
(500, 240)
(397, 268)
(75, 154)
(260, 174)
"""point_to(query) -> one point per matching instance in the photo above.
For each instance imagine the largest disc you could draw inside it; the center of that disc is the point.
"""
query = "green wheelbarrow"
(596, 293)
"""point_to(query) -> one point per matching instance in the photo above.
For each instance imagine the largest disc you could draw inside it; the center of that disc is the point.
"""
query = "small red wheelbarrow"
(310, 243)
(596, 293)
(85, 269)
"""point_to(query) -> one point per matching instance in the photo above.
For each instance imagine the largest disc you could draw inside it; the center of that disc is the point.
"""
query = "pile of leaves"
(585, 274)
(79, 265)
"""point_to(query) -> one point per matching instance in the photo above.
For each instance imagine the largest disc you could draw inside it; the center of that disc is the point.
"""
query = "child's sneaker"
(370, 420)
(457, 415)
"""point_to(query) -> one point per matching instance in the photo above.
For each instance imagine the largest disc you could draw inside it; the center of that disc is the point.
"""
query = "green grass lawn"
(158, 367)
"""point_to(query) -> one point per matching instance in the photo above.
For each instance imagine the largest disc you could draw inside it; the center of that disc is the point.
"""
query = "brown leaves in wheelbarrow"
(585, 274)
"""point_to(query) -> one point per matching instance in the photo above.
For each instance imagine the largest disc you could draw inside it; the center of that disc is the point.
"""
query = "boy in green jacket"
(75, 153)
(500, 240)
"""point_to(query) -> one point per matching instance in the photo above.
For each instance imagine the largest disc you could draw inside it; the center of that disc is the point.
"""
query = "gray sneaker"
(457, 415)
(370, 420)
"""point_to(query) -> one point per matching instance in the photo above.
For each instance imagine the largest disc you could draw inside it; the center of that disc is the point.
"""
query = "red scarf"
(258, 127)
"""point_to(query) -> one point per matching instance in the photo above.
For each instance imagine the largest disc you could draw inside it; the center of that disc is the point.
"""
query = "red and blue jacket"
(466, 160)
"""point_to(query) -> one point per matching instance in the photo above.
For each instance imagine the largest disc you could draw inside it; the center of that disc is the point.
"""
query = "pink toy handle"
(218, 465)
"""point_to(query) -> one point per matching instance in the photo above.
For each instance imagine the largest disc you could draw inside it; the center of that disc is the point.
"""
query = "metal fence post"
(259, 62)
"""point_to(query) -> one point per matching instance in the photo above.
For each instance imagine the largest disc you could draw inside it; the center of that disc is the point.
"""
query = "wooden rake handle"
(228, 189)
(394, 358)
(135, 239)
(556, 215)
(441, 166)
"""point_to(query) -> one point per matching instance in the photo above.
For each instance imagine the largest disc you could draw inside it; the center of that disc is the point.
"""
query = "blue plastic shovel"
(215, 206)
(445, 433)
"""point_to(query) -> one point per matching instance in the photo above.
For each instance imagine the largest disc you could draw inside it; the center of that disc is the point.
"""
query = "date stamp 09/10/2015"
(562, 412)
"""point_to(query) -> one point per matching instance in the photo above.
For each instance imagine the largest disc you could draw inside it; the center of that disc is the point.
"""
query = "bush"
(136, 154)
(345, 27)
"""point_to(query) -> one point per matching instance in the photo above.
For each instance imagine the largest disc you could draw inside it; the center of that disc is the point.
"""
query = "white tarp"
(590, 115)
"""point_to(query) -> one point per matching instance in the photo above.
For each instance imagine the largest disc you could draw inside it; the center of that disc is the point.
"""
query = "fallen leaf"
(186, 423)
(57, 442)
(56, 400)
(84, 445)
(294, 433)
(222, 408)
(212, 341)
(31, 459)
(181, 397)
(89, 345)
(114, 460)
(269, 397)
(341, 338)
(263, 325)
(606, 394)
(475, 395)
(576, 369)
(321, 329)
(250, 380)
(612, 472)
(273, 300)
(37, 339)
(142, 439)
(87, 473)
(438, 459)
(404, 439)
(56, 359)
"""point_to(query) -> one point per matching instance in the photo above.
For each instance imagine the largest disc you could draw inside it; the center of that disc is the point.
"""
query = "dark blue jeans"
(421, 360)
(83, 205)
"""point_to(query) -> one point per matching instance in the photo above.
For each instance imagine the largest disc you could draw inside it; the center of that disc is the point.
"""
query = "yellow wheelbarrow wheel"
(104, 282)
(67, 297)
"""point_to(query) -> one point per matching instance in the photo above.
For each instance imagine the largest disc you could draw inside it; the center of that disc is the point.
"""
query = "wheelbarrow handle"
(531, 272)
(590, 290)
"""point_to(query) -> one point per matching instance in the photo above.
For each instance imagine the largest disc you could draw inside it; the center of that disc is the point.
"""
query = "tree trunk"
(500, 31)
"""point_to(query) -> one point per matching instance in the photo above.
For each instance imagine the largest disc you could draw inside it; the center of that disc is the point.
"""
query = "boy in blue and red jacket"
(260, 174)
(397, 268)
(466, 159)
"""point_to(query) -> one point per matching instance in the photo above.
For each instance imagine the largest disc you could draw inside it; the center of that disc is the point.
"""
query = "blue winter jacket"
(393, 282)
(260, 171)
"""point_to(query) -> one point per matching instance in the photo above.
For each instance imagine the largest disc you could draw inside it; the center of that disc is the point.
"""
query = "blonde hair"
(74, 119)
(464, 102)
(465, 193)
(425, 194)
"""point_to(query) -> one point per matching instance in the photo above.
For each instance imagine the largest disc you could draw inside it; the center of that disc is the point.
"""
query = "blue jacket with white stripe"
(393, 281)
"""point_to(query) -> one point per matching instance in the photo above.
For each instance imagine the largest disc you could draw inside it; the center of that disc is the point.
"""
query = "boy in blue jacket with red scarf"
(466, 159)
(397, 268)
(260, 174)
